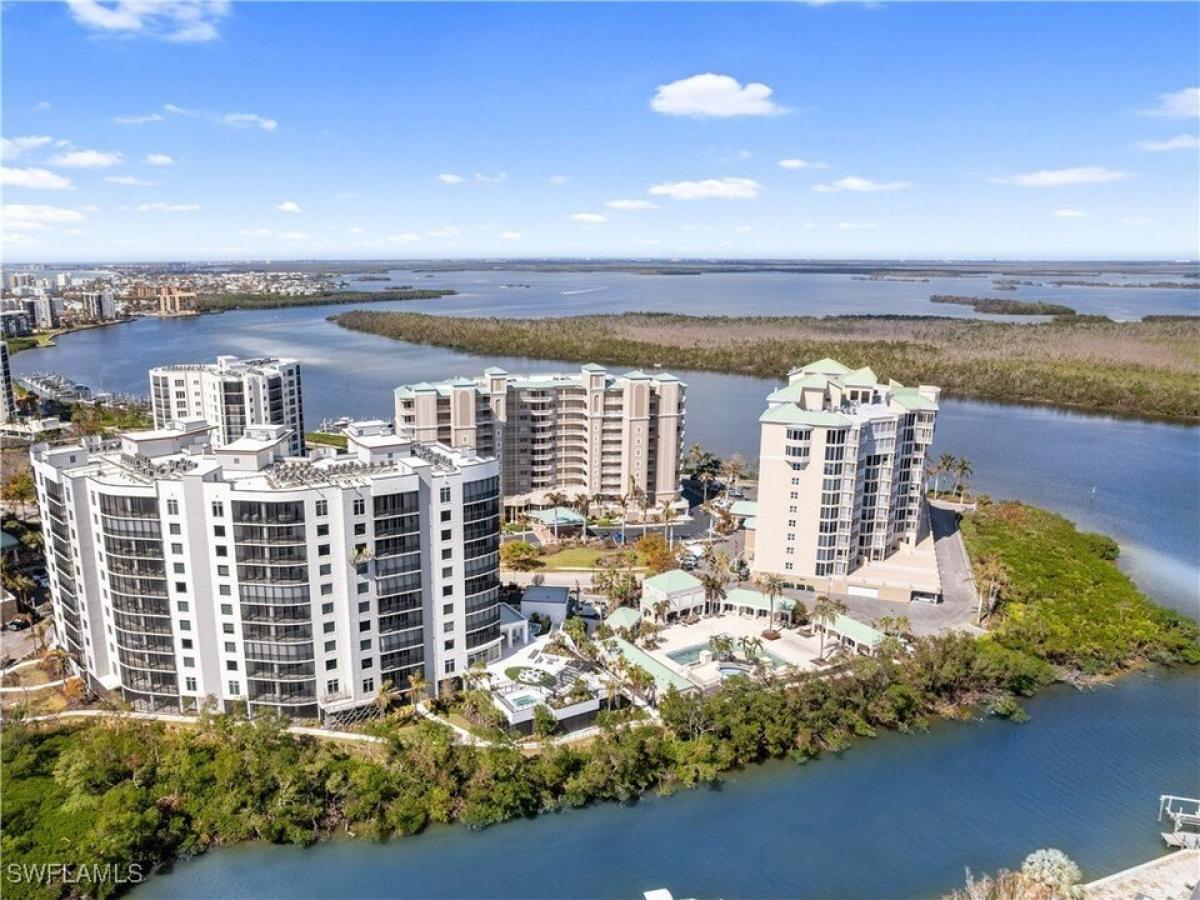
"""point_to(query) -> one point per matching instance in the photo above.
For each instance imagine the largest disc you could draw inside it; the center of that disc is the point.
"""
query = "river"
(899, 816)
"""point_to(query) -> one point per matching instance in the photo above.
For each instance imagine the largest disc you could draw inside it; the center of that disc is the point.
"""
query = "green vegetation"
(1045, 875)
(1006, 307)
(90, 419)
(332, 440)
(1063, 599)
(1142, 368)
(223, 302)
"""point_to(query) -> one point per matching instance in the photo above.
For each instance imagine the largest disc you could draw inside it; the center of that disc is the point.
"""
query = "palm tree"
(995, 577)
(771, 585)
(714, 590)
(668, 516)
(556, 499)
(751, 646)
(945, 465)
(733, 468)
(661, 608)
(721, 646)
(416, 687)
(962, 475)
(21, 585)
(583, 503)
(386, 695)
(826, 612)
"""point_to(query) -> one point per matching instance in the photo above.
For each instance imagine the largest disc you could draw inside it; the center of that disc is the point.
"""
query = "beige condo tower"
(592, 432)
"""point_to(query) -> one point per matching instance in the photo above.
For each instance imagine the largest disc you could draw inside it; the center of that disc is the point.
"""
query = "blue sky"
(251, 130)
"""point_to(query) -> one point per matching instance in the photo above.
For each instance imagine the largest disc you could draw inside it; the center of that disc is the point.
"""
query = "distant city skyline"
(250, 131)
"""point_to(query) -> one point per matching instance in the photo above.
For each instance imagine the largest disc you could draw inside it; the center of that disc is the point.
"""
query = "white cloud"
(722, 188)
(294, 236)
(180, 21)
(42, 104)
(128, 181)
(138, 120)
(446, 231)
(14, 239)
(588, 218)
(255, 232)
(450, 178)
(510, 235)
(558, 180)
(249, 120)
(1061, 177)
(1179, 142)
(159, 159)
(491, 179)
(233, 119)
(87, 159)
(354, 229)
(802, 164)
(861, 185)
(34, 178)
(714, 96)
(289, 206)
(168, 207)
(1070, 213)
(11, 148)
(630, 204)
(1183, 104)
(16, 214)
(856, 226)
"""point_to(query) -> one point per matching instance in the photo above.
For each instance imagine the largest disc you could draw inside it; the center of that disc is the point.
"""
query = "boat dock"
(1184, 814)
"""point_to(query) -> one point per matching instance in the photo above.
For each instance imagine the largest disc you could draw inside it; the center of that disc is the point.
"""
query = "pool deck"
(1171, 877)
(791, 647)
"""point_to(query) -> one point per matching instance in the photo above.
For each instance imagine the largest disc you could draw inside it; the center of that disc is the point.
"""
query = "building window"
(178, 567)
(326, 568)
(447, 553)
(449, 667)
(326, 590)
(223, 590)
(446, 514)
(445, 493)
(447, 534)
(447, 571)
(327, 609)
(449, 645)
(234, 689)
(189, 684)
(329, 627)
(218, 509)
(189, 662)
(331, 686)
(174, 528)
(227, 609)
(322, 507)
(331, 646)
(323, 529)
(447, 590)
(363, 586)
(172, 507)
(330, 665)
(322, 550)
(183, 604)
(222, 569)
(231, 665)
(218, 531)
(227, 628)
(177, 548)
(368, 685)
(364, 625)
(360, 506)
(222, 550)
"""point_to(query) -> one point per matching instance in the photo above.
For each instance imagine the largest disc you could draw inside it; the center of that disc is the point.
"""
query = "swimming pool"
(688, 655)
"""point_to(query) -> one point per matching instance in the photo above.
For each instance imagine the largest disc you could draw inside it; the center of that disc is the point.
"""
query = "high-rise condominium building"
(8, 401)
(181, 572)
(231, 395)
(99, 305)
(841, 472)
(590, 432)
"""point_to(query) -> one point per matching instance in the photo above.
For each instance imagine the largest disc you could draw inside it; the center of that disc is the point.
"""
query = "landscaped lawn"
(575, 558)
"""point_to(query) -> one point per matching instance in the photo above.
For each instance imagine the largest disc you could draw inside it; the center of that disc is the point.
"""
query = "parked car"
(736, 493)
(17, 625)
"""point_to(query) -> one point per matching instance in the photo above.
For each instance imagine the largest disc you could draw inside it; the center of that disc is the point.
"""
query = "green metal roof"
(593, 367)
(756, 600)
(665, 376)
(672, 582)
(788, 414)
(863, 377)
(744, 508)
(560, 514)
(825, 366)
(8, 541)
(857, 631)
(663, 677)
(751, 524)
(494, 370)
(636, 375)
(623, 617)
(462, 381)
(910, 398)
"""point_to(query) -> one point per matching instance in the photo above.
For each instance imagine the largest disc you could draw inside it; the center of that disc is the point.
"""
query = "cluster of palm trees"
(956, 467)
(825, 613)
(993, 579)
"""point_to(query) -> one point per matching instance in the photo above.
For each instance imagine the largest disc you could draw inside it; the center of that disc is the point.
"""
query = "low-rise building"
(672, 595)
(550, 602)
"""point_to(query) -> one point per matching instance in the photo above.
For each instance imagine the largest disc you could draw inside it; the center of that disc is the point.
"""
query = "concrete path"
(958, 583)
